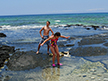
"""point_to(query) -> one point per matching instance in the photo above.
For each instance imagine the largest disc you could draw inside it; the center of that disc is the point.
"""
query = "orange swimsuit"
(54, 42)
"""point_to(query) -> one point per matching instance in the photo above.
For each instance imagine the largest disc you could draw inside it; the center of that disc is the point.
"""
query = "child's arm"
(52, 31)
(45, 41)
(64, 37)
(41, 31)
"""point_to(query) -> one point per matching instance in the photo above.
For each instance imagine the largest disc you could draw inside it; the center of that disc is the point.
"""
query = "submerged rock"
(88, 51)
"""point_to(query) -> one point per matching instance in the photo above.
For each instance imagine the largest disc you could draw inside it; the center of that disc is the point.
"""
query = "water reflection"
(51, 74)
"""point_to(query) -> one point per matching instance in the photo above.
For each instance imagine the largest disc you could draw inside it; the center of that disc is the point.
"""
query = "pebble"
(92, 78)
(84, 75)
(79, 75)
(94, 73)
(92, 70)
(99, 75)
(105, 79)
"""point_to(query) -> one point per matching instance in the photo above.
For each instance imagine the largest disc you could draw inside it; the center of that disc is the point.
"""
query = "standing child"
(45, 36)
(54, 46)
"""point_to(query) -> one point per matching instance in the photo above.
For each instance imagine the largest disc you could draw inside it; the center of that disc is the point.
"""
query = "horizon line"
(55, 13)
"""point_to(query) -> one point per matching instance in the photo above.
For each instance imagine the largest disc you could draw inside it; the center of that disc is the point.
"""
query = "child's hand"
(41, 44)
(67, 37)
(42, 36)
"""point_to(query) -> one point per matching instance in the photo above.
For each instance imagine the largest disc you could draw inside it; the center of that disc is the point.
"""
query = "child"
(45, 36)
(54, 46)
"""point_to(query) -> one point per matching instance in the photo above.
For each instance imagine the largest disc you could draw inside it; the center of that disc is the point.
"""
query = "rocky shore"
(76, 66)
(4, 53)
(89, 46)
(88, 27)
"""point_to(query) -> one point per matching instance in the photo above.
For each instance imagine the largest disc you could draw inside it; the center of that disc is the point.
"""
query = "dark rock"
(3, 57)
(68, 25)
(93, 26)
(93, 40)
(68, 45)
(79, 25)
(7, 48)
(27, 60)
(88, 51)
(88, 28)
(106, 44)
(0, 27)
(2, 35)
(4, 53)
(85, 26)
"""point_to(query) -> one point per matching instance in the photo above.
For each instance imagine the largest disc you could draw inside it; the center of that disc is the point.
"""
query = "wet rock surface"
(4, 53)
(93, 40)
(27, 60)
(88, 51)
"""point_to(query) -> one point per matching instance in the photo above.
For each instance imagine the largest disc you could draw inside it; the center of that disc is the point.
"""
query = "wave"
(57, 21)
(105, 28)
(9, 27)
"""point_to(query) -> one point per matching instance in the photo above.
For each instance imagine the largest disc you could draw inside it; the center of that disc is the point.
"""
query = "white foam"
(105, 28)
(57, 21)
(8, 27)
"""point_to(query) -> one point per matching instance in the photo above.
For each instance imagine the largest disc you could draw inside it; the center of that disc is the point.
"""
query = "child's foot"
(53, 65)
(59, 64)
(48, 52)
(37, 52)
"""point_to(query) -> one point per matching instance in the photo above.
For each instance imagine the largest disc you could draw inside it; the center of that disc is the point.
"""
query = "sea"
(23, 30)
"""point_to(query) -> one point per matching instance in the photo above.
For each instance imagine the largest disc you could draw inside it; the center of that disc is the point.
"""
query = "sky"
(29, 7)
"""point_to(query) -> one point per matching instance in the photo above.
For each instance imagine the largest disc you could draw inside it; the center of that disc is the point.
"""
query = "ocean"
(23, 30)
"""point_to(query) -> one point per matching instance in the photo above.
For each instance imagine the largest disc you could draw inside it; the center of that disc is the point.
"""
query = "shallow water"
(74, 68)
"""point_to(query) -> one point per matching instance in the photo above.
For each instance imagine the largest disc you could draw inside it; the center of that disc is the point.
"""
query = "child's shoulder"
(51, 36)
(44, 26)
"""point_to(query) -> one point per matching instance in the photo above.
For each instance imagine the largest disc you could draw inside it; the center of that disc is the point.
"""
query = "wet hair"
(57, 34)
(48, 22)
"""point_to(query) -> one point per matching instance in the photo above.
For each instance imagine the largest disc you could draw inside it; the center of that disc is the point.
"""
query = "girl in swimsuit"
(54, 47)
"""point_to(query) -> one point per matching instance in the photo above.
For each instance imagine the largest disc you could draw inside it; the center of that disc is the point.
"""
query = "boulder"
(4, 53)
(2, 35)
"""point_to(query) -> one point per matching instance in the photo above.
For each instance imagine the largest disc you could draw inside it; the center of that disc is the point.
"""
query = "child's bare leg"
(57, 52)
(48, 49)
(38, 48)
(53, 52)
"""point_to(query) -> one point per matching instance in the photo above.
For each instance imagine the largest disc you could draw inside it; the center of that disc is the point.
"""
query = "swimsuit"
(54, 42)
(43, 39)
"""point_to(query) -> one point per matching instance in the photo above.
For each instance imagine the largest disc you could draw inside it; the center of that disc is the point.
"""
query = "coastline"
(85, 63)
